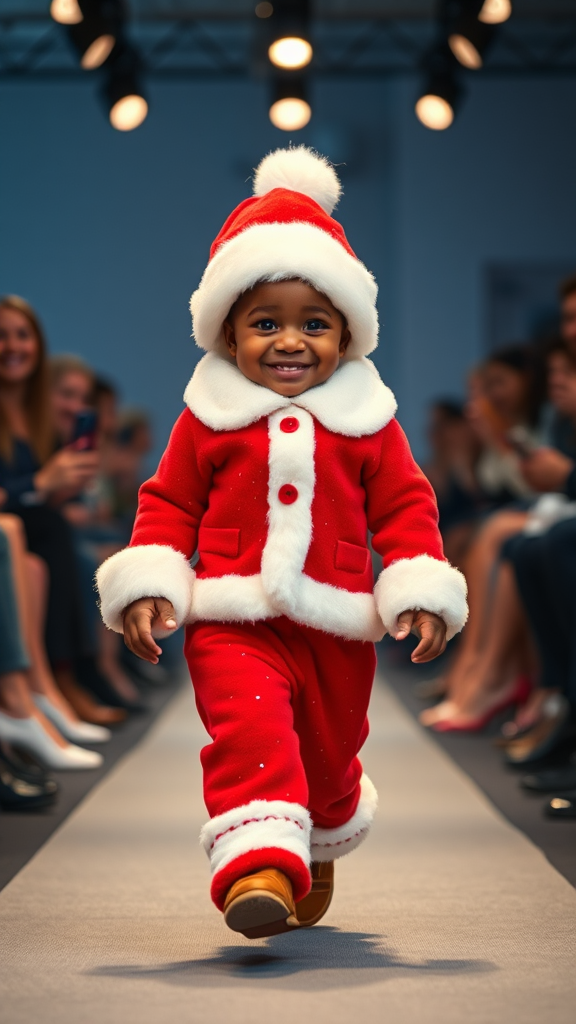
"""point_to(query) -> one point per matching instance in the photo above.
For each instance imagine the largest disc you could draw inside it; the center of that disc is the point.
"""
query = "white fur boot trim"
(331, 843)
(256, 826)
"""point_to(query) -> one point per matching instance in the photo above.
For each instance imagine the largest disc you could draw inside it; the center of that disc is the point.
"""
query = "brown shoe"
(261, 904)
(85, 707)
(316, 903)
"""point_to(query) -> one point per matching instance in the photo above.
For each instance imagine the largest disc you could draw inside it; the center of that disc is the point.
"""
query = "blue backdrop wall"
(107, 234)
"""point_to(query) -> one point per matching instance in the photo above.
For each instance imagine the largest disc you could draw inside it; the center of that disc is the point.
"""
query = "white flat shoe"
(28, 734)
(75, 732)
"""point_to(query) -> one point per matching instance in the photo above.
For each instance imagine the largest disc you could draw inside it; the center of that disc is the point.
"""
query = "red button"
(287, 494)
(289, 424)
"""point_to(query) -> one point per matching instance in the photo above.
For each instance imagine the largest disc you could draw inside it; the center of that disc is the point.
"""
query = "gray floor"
(477, 755)
(447, 914)
(23, 833)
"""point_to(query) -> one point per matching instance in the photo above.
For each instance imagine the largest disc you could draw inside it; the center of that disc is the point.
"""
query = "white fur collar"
(353, 401)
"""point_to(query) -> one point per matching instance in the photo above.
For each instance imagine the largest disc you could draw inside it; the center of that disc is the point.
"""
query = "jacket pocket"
(215, 541)
(351, 557)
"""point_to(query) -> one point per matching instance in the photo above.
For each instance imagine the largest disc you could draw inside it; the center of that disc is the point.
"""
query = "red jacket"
(277, 496)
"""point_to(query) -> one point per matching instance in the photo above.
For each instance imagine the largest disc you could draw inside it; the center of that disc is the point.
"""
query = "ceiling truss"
(209, 48)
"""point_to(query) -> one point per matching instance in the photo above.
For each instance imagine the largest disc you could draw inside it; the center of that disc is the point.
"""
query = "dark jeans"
(545, 570)
(13, 656)
(50, 536)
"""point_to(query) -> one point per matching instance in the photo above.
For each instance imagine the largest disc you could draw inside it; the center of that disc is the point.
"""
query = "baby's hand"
(429, 627)
(139, 618)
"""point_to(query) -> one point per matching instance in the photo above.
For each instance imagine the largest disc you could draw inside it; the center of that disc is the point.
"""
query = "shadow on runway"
(319, 959)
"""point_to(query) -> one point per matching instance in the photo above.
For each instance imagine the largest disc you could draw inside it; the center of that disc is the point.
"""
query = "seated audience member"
(567, 296)
(37, 481)
(75, 390)
(30, 579)
(21, 788)
(29, 720)
(451, 470)
(507, 393)
(545, 571)
(496, 676)
(551, 468)
(134, 443)
(544, 564)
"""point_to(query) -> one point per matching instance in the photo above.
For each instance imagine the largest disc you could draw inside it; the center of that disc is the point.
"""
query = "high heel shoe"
(75, 732)
(518, 695)
(547, 734)
(19, 793)
(28, 734)
(84, 705)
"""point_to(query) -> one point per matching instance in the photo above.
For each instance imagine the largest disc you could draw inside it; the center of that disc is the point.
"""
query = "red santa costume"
(277, 495)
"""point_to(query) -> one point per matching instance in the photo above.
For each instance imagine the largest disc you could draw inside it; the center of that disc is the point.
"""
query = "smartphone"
(85, 429)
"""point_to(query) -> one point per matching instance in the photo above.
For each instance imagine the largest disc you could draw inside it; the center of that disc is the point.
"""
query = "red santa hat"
(286, 230)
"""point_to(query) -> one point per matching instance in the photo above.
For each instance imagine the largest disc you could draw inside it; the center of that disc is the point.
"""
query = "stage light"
(290, 110)
(290, 46)
(290, 52)
(66, 12)
(96, 35)
(494, 12)
(123, 95)
(436, 106)
(469, 38)
(128, 112)
(434, 112)
(264, 10)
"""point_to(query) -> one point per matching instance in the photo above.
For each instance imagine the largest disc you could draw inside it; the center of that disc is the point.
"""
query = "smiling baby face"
(286, 336)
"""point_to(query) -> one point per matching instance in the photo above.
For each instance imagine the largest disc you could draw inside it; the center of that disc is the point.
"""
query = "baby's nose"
(290, 341)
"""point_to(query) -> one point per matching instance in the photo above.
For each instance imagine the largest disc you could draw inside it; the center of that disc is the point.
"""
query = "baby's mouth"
(289, 367)
(288, 371)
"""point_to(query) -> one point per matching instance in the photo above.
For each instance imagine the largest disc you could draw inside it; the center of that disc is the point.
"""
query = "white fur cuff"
(331, 843)
(257, 826)
(422, 583)
(150, 570)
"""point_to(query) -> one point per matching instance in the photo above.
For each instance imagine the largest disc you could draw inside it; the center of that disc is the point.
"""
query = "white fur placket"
(291, 461)
(282, 587)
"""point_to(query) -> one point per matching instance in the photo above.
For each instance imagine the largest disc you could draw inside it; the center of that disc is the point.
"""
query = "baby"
(287, 454)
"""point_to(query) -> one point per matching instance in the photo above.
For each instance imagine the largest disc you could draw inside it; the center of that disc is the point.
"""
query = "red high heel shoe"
(518, 695)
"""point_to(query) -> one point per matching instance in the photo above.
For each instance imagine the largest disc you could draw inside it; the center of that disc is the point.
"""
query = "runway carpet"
(446, 914)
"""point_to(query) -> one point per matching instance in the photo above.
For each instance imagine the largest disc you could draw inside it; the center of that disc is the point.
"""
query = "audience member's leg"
(492, 681)
(64, 628)
(545, 568)
(479, 568)
(529, 557)
(103, 642)
(30, 575)
(560, 564)
(15, 696)
(50, 537)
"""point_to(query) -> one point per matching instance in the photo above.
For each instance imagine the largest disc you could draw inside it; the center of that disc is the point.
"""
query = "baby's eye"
(266, 325)
(315, 325)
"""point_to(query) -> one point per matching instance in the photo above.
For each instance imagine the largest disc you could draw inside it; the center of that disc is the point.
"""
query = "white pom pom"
(301, 170)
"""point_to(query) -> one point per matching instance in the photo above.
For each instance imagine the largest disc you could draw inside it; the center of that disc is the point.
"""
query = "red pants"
(285, 707)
